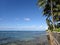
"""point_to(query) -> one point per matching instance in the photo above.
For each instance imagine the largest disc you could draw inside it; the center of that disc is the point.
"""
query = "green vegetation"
(57, 30)
(51, 9)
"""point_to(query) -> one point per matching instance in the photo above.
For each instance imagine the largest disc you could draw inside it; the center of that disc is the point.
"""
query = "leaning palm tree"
(49, 11)
(48, 15)
(51, 2)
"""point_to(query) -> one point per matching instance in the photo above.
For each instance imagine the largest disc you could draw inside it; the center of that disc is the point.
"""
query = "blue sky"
(21, 15)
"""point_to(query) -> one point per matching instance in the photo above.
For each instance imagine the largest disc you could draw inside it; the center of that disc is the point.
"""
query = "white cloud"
(27, 19)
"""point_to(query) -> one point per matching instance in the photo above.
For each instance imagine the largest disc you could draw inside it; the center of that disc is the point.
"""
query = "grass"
(56, 30)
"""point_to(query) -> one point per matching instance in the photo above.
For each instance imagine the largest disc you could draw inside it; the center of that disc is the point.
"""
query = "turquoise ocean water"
(6, 36)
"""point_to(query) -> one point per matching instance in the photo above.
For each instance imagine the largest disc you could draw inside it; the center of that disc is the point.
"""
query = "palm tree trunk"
(52, 15)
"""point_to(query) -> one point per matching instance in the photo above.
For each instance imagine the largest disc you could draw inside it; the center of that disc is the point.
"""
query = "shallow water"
(22, 36)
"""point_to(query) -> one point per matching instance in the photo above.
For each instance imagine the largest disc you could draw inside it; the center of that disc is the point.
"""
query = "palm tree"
(56, 11)
(52, 13)
(48, 11)
(48, 15)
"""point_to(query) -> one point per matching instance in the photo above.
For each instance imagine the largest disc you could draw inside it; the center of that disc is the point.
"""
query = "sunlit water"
(7, 36)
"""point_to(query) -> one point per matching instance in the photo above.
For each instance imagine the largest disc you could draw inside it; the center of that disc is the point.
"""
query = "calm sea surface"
(20, 35)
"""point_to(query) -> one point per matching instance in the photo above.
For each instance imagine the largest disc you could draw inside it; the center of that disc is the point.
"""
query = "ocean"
(11, 36)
